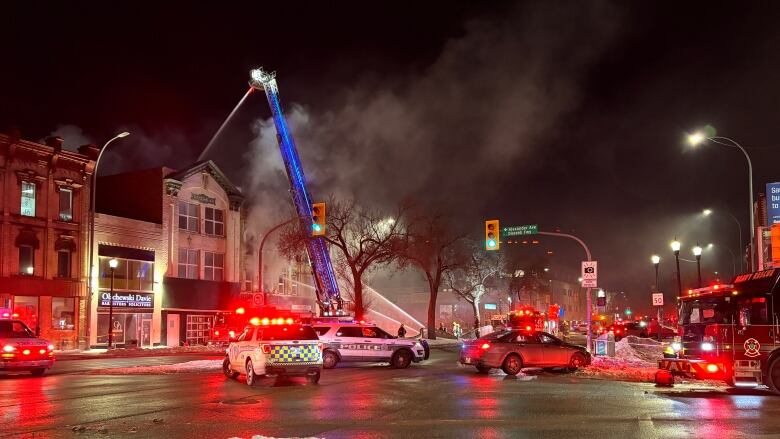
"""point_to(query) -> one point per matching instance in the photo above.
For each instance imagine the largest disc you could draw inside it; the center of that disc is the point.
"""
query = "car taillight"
(8, 348)
(485, 346)
(266, 348)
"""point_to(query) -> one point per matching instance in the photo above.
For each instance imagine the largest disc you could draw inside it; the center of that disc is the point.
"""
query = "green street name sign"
(528, 229)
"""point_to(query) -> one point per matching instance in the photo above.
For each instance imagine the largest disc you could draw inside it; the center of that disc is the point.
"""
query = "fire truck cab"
(526, 318)
(729, 332)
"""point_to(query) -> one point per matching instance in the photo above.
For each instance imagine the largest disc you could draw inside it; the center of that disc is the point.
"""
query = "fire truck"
(526, 318)
(729, 332)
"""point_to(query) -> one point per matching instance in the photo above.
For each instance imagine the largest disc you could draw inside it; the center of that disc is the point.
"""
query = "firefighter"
(401, 331)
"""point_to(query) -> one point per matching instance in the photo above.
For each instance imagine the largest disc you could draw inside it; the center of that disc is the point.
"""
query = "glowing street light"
(706, 212)
(655, 259)
(112, 264)
(700, 137)
(697, 253)
(676, 249)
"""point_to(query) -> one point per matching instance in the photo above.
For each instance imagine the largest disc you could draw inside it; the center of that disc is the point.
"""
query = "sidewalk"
(77, 354)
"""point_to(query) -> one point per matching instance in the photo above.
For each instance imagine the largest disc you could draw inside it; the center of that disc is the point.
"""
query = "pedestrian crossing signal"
(491, 235)
(318, 219)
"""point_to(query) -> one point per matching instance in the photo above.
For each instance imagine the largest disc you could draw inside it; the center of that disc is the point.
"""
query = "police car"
(21, 349)
(359, 341)
(274, 347)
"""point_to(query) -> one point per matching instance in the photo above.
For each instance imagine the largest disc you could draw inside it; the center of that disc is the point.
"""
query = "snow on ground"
(186, 367)
(636, 359)
(138, 352)
(444, 342)
(259, 436)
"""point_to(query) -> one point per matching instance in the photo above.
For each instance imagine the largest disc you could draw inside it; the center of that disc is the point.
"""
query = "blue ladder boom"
(328, 294)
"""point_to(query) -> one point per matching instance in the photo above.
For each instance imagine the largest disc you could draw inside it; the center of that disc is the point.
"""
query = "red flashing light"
(289, 321)
(485, 346)
(716, 287)
(528, 328)
(240, 310)
(6, 315)
(16, 316)
(712, 368)
(26, 352)
(42, 351)
(266, 348)
(265, 321)
(319, 345)
(362, 322)
(50, 347)
(232, 334)
(216, 332)
(8, 348)
(256, 321)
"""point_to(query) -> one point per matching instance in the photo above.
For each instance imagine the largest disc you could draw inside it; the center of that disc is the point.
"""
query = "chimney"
(90, 150)
(55, 142)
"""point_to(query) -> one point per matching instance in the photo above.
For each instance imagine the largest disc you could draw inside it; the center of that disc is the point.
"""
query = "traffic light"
(318, 219)
(491, 235)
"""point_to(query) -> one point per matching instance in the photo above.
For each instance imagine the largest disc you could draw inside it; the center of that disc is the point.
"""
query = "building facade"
(44, 235)
(183, 258)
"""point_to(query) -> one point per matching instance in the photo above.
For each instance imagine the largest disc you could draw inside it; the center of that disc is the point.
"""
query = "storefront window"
(120, 273)
(142, 276)
(27, 309)
(28, 199)
(63, 312)
(129, 329)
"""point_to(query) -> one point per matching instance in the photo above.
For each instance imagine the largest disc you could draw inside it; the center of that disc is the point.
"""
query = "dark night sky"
(566, 114)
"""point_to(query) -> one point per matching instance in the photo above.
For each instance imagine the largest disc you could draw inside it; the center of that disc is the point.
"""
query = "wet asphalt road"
(435, 400)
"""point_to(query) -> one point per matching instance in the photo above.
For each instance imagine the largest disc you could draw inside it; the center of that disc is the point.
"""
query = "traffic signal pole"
(588, 300)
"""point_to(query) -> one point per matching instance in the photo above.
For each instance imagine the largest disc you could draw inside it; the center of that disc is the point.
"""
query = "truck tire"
(577, 361)
(773, 376)
(230, 373)
(313, 379)
(426, 348)
(329, 359)
(251, 377)
(401, 359)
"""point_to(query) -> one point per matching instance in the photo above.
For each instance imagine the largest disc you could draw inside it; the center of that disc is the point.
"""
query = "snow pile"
(186, 367)
(141, 352)
(634, 348)
(636, 359)
(444, 342)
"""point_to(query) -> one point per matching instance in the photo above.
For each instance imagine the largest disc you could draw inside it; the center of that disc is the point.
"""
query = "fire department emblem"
(752, 347)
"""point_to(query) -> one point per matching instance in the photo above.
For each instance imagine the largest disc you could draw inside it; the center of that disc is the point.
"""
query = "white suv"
(353, 342)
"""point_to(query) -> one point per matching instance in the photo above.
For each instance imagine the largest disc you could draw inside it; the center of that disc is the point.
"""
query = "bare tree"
(431, 246)
(364, 237)
(469, 280)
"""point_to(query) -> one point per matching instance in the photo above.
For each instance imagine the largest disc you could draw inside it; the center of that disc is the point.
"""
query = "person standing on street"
(401, 331)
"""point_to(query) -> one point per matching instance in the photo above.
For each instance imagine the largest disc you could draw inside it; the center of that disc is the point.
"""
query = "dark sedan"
(512, 350)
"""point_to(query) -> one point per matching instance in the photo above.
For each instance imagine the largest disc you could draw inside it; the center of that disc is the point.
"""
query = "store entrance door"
(172, 337)
(146, 333)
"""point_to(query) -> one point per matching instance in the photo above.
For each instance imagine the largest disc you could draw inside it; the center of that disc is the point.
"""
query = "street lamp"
(708, 212)
(733, 259)
(656, 260)
(92, 196)
(697, 253)
(698, 138)
(676, 249)
(112, 264)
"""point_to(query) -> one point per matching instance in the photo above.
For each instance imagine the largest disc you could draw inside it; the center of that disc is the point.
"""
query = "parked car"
(513, 350)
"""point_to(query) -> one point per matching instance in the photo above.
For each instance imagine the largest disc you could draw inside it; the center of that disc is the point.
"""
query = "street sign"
(257, 299)
(772, 203)
(589, 283)
(658, 299)
(527, 229)
(589, 273)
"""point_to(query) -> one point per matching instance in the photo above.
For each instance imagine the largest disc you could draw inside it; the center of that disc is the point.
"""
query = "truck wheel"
(230, 373)
(313, 379)
(483, 369)
(512, 364)
(329, 359)
(773, 380)
(577, 361)
(251, 377)
(37, 372)
(401, 359)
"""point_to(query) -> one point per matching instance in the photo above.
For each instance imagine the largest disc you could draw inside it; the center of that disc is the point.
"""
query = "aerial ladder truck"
(327, 289)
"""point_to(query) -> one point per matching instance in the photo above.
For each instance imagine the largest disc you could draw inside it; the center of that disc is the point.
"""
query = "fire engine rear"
(729, 332)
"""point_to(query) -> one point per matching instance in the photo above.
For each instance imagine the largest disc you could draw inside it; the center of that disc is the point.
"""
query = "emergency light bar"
(709, 290)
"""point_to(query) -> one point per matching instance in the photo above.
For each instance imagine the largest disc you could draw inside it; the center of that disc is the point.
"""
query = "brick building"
(178, 238)
(44, 235)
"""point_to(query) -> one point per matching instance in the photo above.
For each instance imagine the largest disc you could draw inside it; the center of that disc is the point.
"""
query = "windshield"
(707, 310)
(10, 329)
(287, 333)
(496, 335)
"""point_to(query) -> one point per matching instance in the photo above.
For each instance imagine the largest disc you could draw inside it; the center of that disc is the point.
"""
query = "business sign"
(527, 229)
(491, 306)
(658, 299)
(773, 203)
(203, 198)
(127, 300)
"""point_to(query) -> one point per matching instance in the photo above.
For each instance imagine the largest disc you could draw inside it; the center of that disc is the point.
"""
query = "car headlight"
(706, 346)
(676, 346)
